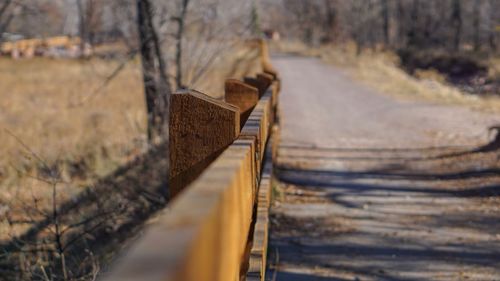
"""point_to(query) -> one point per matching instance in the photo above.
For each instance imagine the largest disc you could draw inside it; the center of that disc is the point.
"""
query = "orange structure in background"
(58, 46)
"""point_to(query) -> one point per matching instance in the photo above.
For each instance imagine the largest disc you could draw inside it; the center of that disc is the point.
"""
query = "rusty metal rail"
(221, 171)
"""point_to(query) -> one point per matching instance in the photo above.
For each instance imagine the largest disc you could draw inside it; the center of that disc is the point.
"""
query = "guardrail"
(221, 171)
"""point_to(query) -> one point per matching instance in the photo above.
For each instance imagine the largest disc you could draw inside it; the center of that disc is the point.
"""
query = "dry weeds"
(50, 106)
(380, 69)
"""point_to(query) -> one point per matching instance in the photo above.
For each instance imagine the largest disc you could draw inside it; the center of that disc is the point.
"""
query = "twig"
(25, 146)
(44, 273)
(108, 80)
(86, 221)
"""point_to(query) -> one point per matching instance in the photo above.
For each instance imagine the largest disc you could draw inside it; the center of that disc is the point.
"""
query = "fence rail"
(221, 171)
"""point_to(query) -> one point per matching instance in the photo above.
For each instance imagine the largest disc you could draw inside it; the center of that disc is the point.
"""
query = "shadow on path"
(397, 214)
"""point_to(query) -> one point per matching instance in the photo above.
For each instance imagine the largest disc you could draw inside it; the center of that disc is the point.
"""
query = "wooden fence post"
(265, 60)
(217, 229)
(261, 82)
(201, 128)
(242, 95)
(266, 79)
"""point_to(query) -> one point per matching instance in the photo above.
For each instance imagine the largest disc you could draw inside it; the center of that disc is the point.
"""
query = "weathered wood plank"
(203, 235)
(258, 251)
(266, 79)
(242, 95)
(257, 127)
(200, 129)
(261, 82)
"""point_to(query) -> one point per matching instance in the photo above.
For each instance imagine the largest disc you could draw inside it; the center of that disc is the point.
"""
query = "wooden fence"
(215, 228)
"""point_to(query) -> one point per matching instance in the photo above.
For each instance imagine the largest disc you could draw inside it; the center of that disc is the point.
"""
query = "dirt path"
(379, 189)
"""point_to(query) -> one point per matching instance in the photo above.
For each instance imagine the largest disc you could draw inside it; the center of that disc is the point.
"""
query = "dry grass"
(494, 67)
(45, 105)
(379, 69)
(42, 106)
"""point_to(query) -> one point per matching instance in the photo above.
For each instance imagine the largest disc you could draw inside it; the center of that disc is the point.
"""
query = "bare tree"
(157, 87)
(5, 17)
(443, 24)
(331, 19)
(412, 34)
(82, 26)
(456, 22)
(211, 27)
(476, 25)
(385, 17)
(492, 24)
(181, 21)
(255, 20)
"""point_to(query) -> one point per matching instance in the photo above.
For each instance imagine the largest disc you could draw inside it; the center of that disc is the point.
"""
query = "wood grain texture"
(254, 83)
(266, 79)
(200, 129)
(242, 95)
(262, 82)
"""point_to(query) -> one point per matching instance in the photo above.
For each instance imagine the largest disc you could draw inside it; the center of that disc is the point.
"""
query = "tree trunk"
(456, 21)
(157, 88)
(360, 36)
(5, 17)
(82, 30)
(476, 24)
(331, 20)
(178, 50)
(492, 26)
(4, 7)
(385, 18)
(401, 27)
(255, 20)
(412, 35)
(90, 21)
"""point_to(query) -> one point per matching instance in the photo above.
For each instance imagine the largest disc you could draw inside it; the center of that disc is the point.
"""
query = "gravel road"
(375, 188)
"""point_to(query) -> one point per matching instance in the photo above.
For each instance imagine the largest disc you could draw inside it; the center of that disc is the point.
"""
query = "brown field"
(52, 116)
